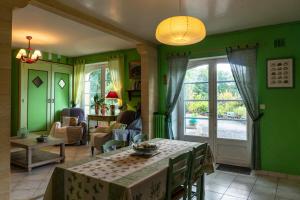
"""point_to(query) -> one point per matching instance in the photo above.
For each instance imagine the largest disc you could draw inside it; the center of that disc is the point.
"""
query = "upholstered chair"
(77, 133)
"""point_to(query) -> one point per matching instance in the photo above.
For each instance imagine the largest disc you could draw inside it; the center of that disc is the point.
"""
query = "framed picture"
(280, 73)
(135, 70)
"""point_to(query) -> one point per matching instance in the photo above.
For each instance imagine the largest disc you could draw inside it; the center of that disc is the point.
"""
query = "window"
(97, 80)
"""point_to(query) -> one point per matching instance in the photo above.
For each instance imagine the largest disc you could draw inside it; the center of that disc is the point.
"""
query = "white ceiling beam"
(63, 10)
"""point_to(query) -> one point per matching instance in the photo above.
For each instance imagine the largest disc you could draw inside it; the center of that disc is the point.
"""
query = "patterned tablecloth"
(119, 175)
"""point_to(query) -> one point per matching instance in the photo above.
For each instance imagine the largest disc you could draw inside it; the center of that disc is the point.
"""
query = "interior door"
(212, 111)
(35, 95)
(61, 90)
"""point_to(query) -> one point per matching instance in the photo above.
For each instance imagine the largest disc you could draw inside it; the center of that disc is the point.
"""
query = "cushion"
(117, 126)
(135, 125)
(70, 121)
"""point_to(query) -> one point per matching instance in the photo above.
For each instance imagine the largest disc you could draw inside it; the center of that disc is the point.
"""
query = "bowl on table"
(145, 148)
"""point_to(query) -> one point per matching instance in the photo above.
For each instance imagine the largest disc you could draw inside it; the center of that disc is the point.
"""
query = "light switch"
(262, 106)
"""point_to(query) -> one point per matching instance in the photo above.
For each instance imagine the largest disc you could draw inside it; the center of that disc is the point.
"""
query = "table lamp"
(112, 95)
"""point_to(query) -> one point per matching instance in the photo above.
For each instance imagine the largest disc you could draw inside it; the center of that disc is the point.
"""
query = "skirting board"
(276, 174)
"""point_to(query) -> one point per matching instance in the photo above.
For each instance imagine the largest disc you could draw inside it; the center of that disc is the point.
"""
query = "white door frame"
(227, 151)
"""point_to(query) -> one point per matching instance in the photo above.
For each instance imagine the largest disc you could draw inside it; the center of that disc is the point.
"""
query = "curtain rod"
(212, 50)
(54, 62)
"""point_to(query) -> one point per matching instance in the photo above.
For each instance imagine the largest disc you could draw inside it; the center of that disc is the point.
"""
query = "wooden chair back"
(178, 174)
(196, 172)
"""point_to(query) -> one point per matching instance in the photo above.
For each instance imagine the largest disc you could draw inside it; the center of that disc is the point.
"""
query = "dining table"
(120, 174)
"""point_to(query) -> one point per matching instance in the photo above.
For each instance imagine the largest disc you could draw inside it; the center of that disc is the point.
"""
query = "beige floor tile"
(267, 181)
(227, 197)
(212, 195)
(237, 193)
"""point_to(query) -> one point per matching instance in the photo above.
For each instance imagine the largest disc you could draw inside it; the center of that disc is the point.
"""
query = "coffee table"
(32, 156)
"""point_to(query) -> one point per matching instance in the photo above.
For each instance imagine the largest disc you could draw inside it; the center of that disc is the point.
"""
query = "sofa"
(75, 134)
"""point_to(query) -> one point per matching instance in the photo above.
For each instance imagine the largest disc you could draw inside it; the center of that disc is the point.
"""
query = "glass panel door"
(231, 111)
(212, 110)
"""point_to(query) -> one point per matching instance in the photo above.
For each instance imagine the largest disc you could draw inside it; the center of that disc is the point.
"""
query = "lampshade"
(180, 30)
(21, 53)
(112, 95)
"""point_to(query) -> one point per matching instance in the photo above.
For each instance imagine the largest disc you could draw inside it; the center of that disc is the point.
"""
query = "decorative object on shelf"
(180, 30)
(135, 70)
(280, 73)
(113, 96)
(23, 133)
(29, 55)
(99, 103)
(42, 138)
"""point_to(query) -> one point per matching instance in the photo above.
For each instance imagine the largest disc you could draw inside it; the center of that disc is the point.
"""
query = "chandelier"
(29, 55)
(180, 30)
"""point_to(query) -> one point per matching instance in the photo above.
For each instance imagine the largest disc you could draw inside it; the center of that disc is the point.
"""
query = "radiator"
(159, 125)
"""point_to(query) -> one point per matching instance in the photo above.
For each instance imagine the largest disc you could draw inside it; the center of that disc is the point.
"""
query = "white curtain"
(116, 69)
(79, 67)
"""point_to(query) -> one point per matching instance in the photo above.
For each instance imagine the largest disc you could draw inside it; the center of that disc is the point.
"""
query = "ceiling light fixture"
(29, 55)
(180, 30)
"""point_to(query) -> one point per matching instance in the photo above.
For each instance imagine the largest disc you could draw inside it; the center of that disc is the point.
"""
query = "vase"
(103, 109)
(97, 109)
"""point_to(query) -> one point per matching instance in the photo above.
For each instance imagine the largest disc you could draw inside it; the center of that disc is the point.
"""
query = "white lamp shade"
(37, 53)
(180, 30)
(21, 53)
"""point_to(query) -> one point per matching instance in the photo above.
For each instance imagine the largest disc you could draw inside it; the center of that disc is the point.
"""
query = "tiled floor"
(219, 186)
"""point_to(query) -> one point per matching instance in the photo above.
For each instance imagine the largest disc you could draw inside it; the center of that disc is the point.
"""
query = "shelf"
(133, 93)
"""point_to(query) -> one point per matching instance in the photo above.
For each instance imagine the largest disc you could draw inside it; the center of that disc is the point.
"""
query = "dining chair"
(196, 171)
(112, 145)
(178, 175)
(139, 138)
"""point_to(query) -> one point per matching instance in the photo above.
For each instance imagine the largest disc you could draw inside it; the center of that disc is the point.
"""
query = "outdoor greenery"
(230, 104)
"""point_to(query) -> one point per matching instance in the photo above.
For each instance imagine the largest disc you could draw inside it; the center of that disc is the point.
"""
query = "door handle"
(48, 100)
(52, 101)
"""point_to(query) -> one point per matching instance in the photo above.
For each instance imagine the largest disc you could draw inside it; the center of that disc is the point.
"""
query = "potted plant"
(99, 103)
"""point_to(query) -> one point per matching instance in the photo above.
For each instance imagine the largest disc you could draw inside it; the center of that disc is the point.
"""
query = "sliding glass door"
(212, 111)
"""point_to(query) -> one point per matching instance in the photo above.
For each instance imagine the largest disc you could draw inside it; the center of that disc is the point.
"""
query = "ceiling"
(59, 35)
(55, 34)
(142, 16)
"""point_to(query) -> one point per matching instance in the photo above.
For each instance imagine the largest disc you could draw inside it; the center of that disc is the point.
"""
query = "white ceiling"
(56, 34)
(59, 35)
(142, 16)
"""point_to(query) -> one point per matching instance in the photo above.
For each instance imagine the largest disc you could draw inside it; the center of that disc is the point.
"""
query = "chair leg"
(190, 186)
(202, 187)
(92, 150)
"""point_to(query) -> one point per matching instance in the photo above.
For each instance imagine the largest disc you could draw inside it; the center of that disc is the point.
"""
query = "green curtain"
(243, 67)
(79, 67)
(116, 69)
(177, 70)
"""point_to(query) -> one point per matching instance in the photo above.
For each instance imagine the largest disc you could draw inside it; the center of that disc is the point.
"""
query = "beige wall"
(6, 7)
(149, 90)
(5, 66)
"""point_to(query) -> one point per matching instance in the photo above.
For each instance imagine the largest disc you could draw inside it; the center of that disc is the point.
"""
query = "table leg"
(29, 159)
(62, 151)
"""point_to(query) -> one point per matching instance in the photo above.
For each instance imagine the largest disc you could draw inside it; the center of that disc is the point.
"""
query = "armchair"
(71, 134)
(101, 135)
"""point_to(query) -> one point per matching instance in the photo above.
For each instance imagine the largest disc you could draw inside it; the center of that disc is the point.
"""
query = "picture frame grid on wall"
(280, 73)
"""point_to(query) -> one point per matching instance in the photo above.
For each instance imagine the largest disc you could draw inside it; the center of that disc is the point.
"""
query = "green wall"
(129, 55)
(15, 78)
(280, 126)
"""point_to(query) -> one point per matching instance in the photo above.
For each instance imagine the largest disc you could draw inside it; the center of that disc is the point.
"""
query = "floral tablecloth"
(119, 175)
